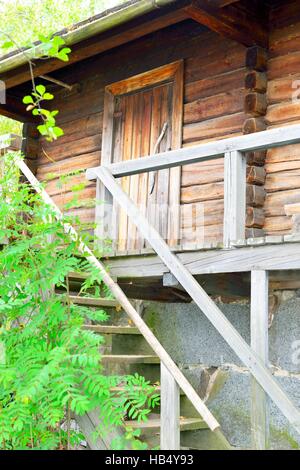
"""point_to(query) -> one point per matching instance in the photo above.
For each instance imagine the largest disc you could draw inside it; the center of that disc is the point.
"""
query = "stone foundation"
(217, 373)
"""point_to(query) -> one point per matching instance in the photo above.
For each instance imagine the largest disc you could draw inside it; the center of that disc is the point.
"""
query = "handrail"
(209, 151)
(165, 358)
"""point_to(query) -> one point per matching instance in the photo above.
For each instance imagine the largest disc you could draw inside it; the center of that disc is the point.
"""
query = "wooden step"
(93, 301)
(112, 329)
(130, 359)
(153, 424)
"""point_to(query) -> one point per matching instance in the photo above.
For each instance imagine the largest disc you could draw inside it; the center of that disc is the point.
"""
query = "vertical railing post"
(169, 411)
(260, 344)
(234, 197)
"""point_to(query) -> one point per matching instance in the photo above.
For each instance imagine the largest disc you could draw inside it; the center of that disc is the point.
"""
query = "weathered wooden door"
(143, 116)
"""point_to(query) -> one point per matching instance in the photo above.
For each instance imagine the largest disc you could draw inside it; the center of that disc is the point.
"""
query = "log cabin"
(193, 106)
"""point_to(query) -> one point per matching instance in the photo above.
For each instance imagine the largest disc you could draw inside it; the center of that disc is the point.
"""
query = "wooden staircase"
(125, 351)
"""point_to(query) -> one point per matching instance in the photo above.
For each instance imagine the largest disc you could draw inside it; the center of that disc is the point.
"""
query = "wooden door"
(143, 116)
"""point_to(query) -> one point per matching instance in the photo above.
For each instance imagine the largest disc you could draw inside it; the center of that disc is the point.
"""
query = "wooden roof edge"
(88, 28)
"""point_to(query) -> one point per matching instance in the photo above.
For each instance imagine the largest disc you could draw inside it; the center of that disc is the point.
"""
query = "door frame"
(173, 73)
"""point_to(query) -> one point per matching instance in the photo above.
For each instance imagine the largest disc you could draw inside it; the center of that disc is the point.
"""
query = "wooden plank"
(261, 140)
(175, 173)
(234, 197)
(127, 306)
(93, 302)
(104, 216)
(204, 302)
(169, 411)
(145, 150)
(259, 344)
(268, 257)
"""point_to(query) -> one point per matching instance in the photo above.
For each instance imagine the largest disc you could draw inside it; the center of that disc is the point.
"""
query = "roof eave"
(108, 20)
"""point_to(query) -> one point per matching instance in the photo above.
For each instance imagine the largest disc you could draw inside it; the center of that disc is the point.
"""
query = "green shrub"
(50, 367)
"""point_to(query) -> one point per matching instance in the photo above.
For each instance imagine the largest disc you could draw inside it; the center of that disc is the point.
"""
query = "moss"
(284, 438)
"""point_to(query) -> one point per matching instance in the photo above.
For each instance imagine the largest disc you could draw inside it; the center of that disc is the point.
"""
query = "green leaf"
(41, 89)
(7, 45)
(27, 99)
(63, 54)
(48, 96)
(58, 131)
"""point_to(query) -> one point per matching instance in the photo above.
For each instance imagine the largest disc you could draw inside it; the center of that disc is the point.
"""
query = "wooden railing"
(255, 357)
(233, 150)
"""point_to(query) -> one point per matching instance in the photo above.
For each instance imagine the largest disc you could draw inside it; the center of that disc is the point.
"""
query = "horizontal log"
(257, 59)
(255, 195)
(284, 40)
(223, 58)
(213, 128)
(277, 224)
(202, 214)
(85, 215)
(77, 129)
(252, 125)
(214, 106)
(284, 153)
(210, 139)
(256, 175)
(203, 192)
(255, 217)
(214, 85)
(198, 236)
(66, 198)
(202, 173)
(282, 166)
(276, 202)
(283, 181)
(256, 158)
(282, 113)
(72, 149)
(255, 104)
(68, 165)
(256, 81)
(59, 186)
(292, 209)
(283, 66)
(283, 89)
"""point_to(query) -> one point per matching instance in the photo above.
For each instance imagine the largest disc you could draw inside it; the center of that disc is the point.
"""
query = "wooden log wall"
(255, 106)
(213, 109)
(283, 95)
